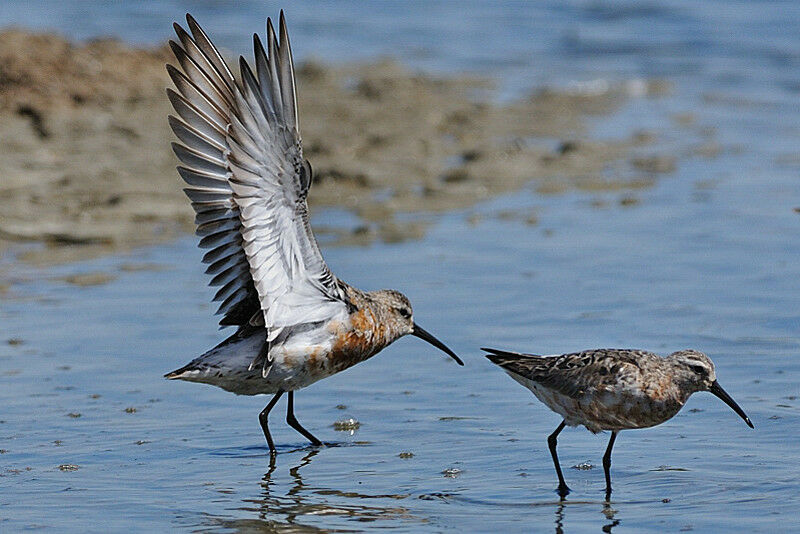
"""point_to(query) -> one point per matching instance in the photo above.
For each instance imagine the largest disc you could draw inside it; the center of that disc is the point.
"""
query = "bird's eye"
(405, 313)
(698, 369)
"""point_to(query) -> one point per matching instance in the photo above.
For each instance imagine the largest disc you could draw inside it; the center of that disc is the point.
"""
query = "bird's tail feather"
(178, 372)
(247, 340)
(497, 355)
(514, 363)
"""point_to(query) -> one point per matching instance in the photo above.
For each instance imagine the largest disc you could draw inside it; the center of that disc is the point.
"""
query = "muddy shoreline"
(87, 166)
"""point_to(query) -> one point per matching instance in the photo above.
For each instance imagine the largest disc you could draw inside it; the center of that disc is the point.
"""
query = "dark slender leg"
(262, 417)
(294, 423)
(552, 441)
(607, 463)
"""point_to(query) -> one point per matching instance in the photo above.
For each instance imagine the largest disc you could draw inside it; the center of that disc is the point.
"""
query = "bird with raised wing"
(612, 389)
(242, 159)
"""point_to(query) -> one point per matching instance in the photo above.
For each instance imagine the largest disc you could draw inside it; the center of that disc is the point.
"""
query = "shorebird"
(242, 159)
(612, 389)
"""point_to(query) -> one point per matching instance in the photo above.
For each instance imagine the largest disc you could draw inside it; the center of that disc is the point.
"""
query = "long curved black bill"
(717, 390)
(424, 334)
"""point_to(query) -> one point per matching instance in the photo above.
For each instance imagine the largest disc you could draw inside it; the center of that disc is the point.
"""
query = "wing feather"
(242, 160)
(287, 86)
(211, 53)
(193, 138)
(573, 374)
(197, 87)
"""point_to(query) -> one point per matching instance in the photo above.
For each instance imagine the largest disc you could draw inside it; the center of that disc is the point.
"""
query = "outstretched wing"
(247, 180)
(574, 374)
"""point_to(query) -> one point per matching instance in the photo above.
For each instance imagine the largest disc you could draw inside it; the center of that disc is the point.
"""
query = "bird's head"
(696, 370)
(401, 315)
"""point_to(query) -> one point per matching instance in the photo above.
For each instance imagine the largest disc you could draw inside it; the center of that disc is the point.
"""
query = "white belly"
(297, 362)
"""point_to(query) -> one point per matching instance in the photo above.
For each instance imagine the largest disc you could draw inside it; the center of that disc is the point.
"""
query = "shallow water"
(92, 438)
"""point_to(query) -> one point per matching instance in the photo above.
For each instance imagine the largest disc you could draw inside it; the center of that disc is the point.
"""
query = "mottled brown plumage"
(612, 389)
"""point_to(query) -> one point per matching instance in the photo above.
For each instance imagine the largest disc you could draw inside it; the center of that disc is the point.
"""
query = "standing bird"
(612, 389)
(242, 159)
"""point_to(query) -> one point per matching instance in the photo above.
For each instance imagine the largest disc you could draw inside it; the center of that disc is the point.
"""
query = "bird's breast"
(612, 407)
(356, 338)
(639, 406)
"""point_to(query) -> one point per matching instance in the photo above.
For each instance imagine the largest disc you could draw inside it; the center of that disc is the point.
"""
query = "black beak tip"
(720, 393)
(427, 336)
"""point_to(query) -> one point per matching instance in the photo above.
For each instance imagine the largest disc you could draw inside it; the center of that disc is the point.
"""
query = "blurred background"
(581, 174)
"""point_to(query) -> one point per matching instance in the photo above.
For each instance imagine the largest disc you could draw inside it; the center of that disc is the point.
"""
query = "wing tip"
(282, 27)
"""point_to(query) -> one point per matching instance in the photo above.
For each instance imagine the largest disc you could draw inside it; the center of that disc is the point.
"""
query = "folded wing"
(242, 159)
(576, 374)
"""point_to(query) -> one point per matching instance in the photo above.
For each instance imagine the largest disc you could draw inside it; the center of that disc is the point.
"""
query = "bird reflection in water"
(290, 506)
(608, 512)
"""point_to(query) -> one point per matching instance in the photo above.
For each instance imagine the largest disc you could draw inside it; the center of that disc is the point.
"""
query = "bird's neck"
(668, 388)
(372, 318)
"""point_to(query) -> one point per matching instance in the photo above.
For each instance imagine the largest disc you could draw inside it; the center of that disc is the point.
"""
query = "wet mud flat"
(84, 145)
